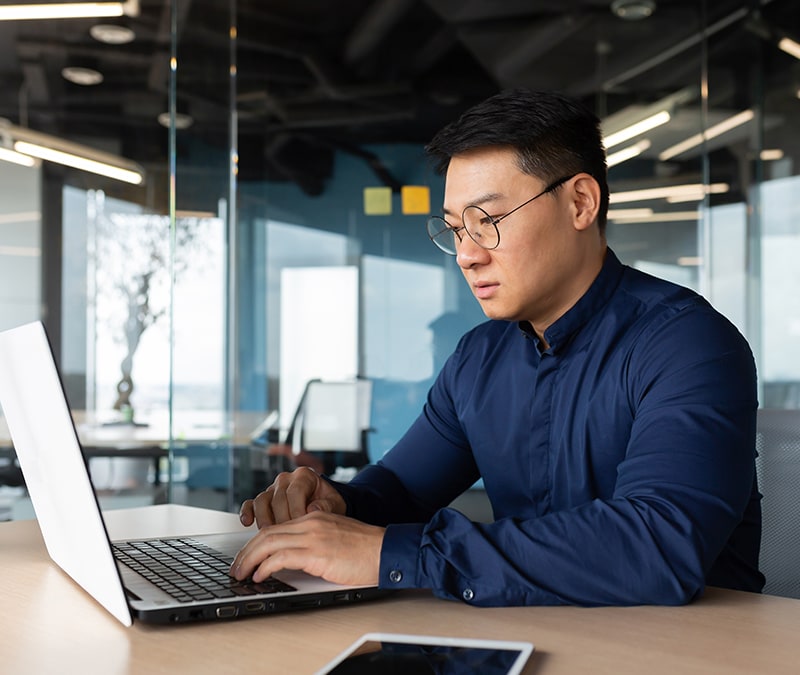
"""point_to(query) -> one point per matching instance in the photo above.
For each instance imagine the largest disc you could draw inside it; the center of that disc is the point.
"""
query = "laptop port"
(254, 607)
(305, 604)
(226, 612)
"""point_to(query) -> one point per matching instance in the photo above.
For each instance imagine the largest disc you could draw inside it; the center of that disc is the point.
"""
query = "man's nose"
(468, 253)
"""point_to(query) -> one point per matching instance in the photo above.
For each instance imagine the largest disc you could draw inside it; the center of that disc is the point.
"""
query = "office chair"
(778, 469)
(10, 473)
(329, 430)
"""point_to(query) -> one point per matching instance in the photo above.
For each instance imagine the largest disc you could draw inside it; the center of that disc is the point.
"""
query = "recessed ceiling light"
(182, 120)
(111, 34)
(86, 77)
(633, 10)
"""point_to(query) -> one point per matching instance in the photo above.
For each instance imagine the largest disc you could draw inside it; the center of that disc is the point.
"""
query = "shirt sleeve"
(681, 489)
(422, 473)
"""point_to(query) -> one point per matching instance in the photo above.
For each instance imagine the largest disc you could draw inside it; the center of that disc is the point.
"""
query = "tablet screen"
(424, 655)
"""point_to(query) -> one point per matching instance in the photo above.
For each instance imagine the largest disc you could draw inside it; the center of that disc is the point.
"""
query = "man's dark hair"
(554, 136)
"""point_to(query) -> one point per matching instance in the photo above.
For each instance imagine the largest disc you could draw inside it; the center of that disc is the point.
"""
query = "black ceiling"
(317, 74)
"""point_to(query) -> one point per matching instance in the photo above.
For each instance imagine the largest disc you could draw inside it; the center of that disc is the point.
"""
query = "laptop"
(154, 581)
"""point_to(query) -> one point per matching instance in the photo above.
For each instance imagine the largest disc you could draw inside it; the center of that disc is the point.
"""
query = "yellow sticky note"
(416, 199)
(378, 201)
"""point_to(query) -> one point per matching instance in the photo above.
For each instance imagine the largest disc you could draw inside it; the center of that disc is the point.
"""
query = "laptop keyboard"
(189, 571)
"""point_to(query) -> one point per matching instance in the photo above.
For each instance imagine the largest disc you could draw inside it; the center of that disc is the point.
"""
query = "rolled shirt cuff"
(399, 567)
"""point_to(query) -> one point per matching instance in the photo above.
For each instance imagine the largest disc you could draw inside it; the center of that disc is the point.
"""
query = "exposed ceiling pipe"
(378, 20)
(540, 40)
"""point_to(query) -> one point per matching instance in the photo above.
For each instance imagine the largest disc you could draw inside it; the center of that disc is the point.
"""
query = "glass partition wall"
(129, 274)
(283, 239)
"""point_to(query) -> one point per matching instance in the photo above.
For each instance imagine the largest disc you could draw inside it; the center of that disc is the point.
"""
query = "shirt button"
(468, 594)
(395, 576)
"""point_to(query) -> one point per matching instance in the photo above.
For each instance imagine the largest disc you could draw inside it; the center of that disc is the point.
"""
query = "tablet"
(390, 653)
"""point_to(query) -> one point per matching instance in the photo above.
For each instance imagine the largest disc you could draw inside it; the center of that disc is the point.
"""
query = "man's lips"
(484, 289)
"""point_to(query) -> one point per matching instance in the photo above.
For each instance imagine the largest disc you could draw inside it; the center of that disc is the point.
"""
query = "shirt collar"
(590, 303)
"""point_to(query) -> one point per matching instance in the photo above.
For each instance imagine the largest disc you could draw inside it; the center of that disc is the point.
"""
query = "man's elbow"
(672, 588)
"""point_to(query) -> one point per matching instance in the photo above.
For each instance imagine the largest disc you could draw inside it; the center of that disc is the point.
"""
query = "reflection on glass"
(130, 326)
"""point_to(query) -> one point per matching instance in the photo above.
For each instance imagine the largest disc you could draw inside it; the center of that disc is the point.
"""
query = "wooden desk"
(49, 625)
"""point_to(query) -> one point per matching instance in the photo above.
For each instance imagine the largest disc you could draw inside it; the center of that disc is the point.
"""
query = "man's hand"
(291, 496)
(327, 545)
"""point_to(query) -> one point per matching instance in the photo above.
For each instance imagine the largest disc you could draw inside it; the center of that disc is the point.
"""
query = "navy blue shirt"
(619, 462)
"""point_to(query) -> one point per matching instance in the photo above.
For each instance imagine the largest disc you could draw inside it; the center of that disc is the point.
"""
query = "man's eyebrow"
(483, 199)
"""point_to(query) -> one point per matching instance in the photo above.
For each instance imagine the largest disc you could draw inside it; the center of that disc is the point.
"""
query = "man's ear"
(585, 201)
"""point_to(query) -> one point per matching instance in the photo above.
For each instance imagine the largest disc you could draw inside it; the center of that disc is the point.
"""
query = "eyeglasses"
(479, 225)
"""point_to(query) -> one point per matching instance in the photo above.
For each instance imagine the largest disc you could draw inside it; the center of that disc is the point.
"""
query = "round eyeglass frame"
(444, 235)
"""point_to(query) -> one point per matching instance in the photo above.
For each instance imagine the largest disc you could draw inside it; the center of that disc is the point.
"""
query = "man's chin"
(492, 311)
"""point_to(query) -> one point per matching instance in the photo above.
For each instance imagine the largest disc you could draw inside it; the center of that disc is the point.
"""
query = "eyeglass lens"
(441, 234)
(481, 227)
(478, 224)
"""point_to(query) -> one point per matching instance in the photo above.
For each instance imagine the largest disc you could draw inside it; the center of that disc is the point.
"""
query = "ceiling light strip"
(712, 132)
(640, 127)
(790, 47)
(771, 154)
(79, 162)
(54, 149)
(15, 157)
(687, 191)
(667, 217)
(68, 10)
(628, 214)
(627, 153)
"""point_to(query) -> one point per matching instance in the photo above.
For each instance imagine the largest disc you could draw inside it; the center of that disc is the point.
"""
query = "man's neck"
(582, 283)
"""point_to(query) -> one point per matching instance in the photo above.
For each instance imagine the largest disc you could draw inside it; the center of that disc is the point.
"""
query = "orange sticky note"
(378, 201)
(416, 199)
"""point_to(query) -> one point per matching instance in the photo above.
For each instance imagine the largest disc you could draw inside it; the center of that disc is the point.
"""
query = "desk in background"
(50, 625)
(101, 434)
(201, 438)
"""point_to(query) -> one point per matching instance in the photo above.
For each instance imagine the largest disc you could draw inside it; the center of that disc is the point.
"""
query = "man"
(610, 414)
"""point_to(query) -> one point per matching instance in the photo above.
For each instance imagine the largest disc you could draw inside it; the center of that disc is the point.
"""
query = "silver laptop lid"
(56, 476)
